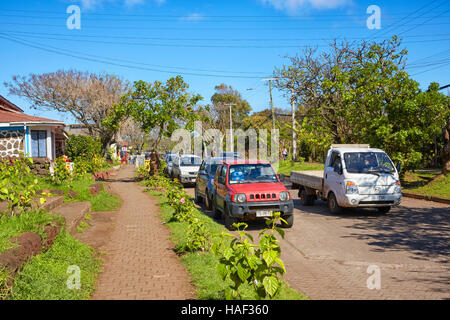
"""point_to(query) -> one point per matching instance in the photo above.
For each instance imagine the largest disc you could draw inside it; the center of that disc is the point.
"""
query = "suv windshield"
(251, 173)
(362, 162)
(190, 161)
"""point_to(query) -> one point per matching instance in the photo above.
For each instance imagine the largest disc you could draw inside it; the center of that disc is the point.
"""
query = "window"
(252, 173)
(361, 162)
(38, 143)
(334, 158)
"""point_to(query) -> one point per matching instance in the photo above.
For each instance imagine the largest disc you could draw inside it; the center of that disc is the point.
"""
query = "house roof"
(12, 114)
(8, 104)
(20, 118)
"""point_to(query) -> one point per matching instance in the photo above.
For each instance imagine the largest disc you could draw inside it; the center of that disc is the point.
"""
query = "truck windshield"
(367, 162)
(251, 173)
(190, 161)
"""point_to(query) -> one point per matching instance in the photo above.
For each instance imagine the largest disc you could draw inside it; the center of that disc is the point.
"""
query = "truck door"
(332, 179)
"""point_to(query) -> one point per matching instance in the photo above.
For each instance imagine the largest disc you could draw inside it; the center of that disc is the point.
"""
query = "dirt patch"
(99, 232)
(95, 188)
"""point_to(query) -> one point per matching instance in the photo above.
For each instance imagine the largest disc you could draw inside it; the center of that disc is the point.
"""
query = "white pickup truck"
(354, 176)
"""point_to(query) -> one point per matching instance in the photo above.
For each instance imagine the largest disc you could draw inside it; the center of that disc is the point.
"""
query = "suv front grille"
(263, 196)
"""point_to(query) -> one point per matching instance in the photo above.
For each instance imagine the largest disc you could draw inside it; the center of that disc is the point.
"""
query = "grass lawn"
(46, 275)
(30, 221)
(422, 185)
(286, 166)
(203, 266)
(102, 201)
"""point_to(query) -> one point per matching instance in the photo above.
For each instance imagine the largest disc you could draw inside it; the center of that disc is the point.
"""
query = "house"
(33, 136)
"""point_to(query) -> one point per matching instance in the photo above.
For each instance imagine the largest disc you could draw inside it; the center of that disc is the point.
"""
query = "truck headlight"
(351, 188)
(240, 197)
(284, 196)
(398, 187)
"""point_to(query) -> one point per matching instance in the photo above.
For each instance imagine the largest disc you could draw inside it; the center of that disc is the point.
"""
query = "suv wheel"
(207, 201)
(197, 199)
(290, 221)
(333, 205)
(229, 220)
(216, 213)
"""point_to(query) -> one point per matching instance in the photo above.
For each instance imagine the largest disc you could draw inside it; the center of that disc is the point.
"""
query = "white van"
(185, 168)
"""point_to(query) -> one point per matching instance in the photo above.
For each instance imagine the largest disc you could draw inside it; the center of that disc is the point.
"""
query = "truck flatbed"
(309, 178)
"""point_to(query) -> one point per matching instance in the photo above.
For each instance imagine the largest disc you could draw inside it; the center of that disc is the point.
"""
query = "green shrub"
(15, 185)
(82, 146)
(243, 262)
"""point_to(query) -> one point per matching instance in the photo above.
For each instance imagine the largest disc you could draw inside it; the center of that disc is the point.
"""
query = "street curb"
(424, 197)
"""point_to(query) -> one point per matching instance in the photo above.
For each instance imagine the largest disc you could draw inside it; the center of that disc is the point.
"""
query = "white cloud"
(193, 17)
(292, 6)
(94, 4)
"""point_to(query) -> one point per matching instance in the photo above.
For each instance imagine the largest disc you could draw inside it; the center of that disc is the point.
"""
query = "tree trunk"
(446, 149)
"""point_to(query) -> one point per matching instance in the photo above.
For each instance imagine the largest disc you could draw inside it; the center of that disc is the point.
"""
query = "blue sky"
(209, 42)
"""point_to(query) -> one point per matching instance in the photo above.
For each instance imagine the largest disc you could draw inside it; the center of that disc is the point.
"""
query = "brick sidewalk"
(140, 262)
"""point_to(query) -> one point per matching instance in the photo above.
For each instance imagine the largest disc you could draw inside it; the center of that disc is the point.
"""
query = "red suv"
(249, 190)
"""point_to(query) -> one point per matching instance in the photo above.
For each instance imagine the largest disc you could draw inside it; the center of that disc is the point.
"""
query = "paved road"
(327, 256)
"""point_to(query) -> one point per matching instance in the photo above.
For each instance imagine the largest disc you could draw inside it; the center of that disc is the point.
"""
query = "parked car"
(354, 176)
(204, 185)
(249, 190)
(169, 160)
(185, 168)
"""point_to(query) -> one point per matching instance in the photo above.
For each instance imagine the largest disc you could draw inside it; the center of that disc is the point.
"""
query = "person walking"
(284, 153)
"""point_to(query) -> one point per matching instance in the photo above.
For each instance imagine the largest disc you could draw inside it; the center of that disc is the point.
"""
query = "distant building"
(79, 129)
(33, 136)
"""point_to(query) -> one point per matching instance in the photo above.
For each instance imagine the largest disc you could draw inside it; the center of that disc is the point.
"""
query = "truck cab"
(353, 176)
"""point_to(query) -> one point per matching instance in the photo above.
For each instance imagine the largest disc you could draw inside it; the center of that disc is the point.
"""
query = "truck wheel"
(383, 209)
(289, 220)
(229, 220)
(307, 200)
(333, 205)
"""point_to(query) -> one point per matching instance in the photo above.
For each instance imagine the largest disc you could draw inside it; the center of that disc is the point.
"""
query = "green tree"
(361, 93)
(160, 108)
(220, 111)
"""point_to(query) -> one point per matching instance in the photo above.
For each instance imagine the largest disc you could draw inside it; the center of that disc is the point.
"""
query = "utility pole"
(294, 134)
(271, 100)
(231, 125)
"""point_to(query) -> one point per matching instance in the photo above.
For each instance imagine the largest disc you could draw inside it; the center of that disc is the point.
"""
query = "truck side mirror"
(338, 167)
(398, 166)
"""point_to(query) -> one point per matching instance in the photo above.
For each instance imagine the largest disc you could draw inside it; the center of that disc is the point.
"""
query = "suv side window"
(217, 174)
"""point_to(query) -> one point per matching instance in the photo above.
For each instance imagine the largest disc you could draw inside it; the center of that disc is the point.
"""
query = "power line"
(227, 28)
(390, 27)
(78, 36)
(181, 45)
(61, 52)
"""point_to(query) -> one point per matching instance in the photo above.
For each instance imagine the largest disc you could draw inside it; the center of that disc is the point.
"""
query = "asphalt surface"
(361, 254)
